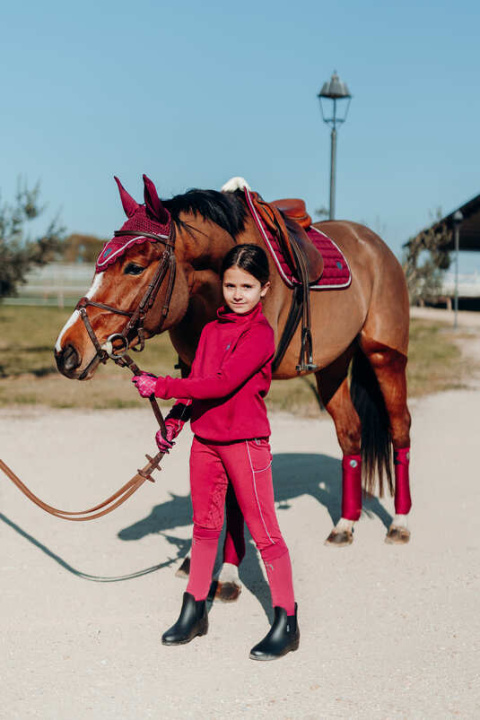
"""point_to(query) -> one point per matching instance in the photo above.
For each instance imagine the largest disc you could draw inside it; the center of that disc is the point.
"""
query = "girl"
(230, 377)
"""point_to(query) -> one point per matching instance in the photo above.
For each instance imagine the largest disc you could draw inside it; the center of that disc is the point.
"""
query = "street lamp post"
(337, 92)
(457, 221)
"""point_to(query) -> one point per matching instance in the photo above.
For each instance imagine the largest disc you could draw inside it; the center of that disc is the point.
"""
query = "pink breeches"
(247, 465)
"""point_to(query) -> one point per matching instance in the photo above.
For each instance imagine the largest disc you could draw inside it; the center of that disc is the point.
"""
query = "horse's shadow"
(294, 474)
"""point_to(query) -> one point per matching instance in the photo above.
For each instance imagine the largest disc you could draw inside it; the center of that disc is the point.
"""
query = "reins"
(118, 353)
(103, 508)
(121, 495)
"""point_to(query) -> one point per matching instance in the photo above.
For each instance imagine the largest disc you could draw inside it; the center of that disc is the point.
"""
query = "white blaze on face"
(97, 281)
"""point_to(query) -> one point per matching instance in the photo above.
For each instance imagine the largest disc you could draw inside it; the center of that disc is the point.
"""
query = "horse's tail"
(376, 437)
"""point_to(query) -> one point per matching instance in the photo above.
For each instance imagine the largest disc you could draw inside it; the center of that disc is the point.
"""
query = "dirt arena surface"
(388, 633)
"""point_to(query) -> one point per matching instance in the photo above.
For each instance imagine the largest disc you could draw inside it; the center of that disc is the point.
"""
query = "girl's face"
(242, 291)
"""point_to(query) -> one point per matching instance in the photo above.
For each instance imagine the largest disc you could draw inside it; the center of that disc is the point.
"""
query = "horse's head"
(136, 291)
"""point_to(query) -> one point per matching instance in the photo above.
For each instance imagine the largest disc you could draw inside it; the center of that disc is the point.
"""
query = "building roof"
(469, 238)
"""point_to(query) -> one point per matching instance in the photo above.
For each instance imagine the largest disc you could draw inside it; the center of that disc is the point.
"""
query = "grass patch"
(435, 361)
(28, 374)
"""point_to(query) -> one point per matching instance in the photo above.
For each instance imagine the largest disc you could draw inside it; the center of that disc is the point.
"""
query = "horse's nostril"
(68, 359)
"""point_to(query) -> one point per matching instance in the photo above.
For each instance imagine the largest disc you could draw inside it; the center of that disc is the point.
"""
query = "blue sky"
(194, 92)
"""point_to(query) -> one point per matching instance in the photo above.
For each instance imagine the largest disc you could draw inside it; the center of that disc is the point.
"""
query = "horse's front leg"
(228, 584)
(334, 391)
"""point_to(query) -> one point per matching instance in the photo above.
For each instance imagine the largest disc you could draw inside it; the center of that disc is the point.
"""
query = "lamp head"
(336, 91)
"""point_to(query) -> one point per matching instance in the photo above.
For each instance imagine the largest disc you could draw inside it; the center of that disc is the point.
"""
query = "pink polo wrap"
(352, 487)
(403, 500)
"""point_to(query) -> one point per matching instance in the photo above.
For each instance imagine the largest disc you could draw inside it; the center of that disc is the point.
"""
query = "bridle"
(116, 345)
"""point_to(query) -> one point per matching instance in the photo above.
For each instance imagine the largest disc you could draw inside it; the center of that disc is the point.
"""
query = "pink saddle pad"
(336, 271)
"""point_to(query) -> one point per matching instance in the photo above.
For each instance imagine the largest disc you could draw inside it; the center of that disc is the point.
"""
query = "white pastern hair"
(344, 525)
(97, 281)
(235, 183)
(400, 521)
(229, 573)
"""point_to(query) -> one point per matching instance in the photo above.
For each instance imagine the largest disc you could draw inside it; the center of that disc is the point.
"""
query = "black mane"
(225, 209)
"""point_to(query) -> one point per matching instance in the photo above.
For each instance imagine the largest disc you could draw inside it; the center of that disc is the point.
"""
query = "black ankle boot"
(192, 621)
(283, 637)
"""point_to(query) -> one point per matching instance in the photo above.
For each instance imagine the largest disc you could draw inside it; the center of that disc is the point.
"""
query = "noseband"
(118, 343)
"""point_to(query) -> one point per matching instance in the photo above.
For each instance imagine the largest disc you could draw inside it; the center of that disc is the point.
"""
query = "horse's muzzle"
(68, 360)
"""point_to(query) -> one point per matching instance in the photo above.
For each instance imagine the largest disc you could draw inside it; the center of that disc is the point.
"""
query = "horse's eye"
(133, 269)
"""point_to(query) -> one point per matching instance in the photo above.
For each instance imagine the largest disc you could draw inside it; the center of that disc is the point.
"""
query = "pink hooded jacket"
(231, 375)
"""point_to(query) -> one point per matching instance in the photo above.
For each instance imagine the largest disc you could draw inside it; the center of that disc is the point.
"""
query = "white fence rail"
(62, 285)
(55, 284)
(468, 285)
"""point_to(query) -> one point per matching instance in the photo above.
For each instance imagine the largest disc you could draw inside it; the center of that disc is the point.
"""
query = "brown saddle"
(295, 209)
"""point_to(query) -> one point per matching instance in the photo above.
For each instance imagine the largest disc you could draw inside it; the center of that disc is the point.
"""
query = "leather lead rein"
(167, 264)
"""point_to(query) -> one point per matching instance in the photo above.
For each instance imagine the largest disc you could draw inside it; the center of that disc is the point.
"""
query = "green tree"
(78, 248)
(425, 261)
(19, 253)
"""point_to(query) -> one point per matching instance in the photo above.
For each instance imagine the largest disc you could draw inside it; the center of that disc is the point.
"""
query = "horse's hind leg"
(332, 383)
(389, 367)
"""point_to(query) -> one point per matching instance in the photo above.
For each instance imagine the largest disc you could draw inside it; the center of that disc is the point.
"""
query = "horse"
(161, 273)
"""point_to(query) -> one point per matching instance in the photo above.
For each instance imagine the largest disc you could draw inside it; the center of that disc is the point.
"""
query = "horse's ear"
(153, 202)
(129, 204)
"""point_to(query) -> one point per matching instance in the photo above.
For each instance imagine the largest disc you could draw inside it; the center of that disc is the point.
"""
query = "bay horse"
(364, 327)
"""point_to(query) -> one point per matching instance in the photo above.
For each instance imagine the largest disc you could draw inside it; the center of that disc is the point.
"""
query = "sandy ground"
(388, 633)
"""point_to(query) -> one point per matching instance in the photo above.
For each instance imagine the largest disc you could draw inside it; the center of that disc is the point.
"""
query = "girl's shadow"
(294, 474)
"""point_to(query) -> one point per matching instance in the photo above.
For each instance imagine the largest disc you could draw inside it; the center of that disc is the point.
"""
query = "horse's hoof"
(227, 591)
(340, 538)
(397, 535)
(184, 569)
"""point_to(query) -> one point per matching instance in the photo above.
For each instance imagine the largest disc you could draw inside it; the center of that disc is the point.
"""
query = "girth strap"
(294, 316)
(299, 310)
(305, 362)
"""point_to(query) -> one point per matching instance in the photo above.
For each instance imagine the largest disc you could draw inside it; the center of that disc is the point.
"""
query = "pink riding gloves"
(174, 423)
(145, 384)
(165, 444)
(179, 414)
